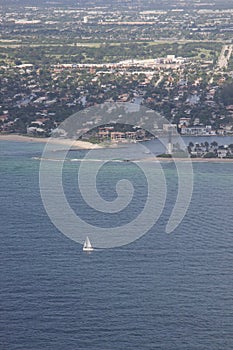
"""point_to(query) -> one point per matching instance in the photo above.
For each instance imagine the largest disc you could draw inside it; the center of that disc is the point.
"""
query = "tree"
(214, 144)
(206, 146)
(226, 94)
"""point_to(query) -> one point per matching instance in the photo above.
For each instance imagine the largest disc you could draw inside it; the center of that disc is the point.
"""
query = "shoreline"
(191, 160)
(59, 141)
(89, 145)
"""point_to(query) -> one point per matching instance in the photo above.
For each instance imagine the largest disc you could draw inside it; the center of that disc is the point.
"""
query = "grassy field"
(81, 52)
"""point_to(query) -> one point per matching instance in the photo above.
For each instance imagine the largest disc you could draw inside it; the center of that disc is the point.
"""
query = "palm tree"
(206, 146)
(214, 144)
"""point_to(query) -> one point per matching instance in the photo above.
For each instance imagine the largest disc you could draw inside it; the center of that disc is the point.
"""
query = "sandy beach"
(21, 138)
(89, 145)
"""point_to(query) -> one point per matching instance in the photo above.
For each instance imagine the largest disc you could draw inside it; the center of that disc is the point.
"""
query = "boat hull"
(88, 249)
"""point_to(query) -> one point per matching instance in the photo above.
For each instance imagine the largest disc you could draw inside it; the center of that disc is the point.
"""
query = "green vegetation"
(210, 155)
(225, 94)
(45, 54)
(57, 60)
(164, 155)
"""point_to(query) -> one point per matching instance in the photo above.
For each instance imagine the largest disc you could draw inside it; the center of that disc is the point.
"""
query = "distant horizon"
(153, 4)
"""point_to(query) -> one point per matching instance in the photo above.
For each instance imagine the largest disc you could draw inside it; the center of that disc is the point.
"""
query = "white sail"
(87, 245)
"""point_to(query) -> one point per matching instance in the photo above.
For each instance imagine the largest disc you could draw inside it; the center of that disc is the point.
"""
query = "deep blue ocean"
(163, 291)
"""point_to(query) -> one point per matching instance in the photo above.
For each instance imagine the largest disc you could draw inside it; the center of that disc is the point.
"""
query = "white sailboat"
(87, 247)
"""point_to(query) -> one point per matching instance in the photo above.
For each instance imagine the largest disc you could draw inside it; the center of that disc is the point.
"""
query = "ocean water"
(168, 292)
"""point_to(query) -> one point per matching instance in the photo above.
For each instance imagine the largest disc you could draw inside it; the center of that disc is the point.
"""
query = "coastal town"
(210, 150)
(185, 74)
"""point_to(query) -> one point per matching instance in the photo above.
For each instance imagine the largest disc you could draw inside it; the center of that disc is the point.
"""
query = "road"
(224, 56)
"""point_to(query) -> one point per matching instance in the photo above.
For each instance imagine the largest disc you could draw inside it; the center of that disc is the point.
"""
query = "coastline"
(22, 138)
(192, 160)
(89, 145)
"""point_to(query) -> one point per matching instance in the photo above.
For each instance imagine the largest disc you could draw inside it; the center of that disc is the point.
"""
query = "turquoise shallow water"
(160, 292)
